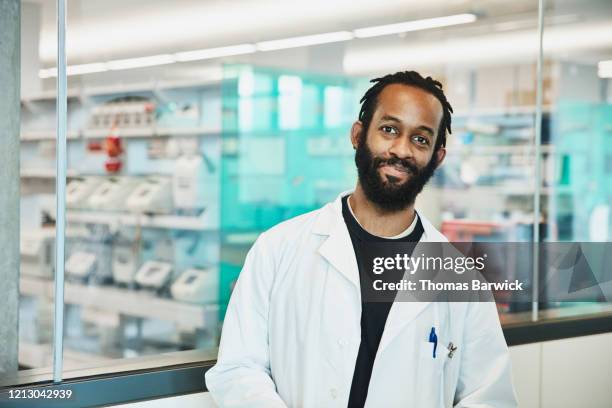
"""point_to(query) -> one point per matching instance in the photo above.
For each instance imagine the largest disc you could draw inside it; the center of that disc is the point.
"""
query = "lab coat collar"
(330, 219)
(338, 251)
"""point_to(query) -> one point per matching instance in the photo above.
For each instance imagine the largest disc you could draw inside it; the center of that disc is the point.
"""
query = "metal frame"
(537, 161)
(60, 189)
(110, 389)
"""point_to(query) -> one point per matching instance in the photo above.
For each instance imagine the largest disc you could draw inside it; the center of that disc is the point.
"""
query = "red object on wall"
(113, 165)
(466, 230)
(114, 150)
(113, 146)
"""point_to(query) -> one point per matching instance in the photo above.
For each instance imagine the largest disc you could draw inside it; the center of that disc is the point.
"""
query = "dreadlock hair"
(413, 78)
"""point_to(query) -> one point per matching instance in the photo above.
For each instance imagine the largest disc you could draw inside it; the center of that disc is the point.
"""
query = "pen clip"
(433, 338)
(451, 349)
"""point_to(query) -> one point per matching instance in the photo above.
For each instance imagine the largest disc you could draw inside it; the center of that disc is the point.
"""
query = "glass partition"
(577, 159)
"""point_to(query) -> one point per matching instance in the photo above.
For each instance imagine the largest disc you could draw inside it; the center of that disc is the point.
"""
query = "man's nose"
(401, 148)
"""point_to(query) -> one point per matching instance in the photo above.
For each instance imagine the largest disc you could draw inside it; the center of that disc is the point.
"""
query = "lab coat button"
(342, 343)
(334, 393)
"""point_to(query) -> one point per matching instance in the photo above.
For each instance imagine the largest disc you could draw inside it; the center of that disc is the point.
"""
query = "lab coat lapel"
(402, 313)
(337, 249)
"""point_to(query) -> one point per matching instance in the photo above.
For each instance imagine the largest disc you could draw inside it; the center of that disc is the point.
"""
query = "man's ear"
(440, 155)
(356, 131)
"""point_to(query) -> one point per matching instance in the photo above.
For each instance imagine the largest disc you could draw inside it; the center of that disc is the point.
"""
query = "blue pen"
(433, 338)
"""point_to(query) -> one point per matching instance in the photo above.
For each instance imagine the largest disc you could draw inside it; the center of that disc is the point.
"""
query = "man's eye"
(421, 140)
(389, 129)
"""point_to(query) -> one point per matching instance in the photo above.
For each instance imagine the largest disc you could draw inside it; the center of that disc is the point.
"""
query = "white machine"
(152, 195)
(111, 194)
(125, 263)
(186, 182)
(37, 253)
(197, 286)
(154, 274)
(79, 190)
(81, 265)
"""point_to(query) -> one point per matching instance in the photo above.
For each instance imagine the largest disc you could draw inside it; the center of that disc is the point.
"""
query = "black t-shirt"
(373, 314)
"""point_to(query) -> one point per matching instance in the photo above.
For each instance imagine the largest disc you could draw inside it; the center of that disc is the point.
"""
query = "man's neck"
(377, 221)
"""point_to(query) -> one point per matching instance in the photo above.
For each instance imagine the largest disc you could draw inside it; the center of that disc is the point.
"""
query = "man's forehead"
(400, 99)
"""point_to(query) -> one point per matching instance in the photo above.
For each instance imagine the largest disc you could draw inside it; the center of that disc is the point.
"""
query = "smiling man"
(300, 330)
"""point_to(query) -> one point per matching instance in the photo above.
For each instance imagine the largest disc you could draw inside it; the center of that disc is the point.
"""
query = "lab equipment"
(111, 194)
(197, 286)
(154, 275)
(126, 112)
(79, 190)
(152, 195)
(37, 253)
(81, 265)
(186, 182)
(125, 262)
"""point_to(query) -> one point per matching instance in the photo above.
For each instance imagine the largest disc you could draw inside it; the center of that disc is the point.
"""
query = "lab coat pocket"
(430, 361)
(431, 374)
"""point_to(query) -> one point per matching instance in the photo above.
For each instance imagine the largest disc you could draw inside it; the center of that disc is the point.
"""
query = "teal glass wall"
(285, 151)
(583, 156)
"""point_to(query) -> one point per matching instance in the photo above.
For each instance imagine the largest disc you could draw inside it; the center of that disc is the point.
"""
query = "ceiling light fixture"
(304, 41)
(415, 25)
(141, 62)
(219, 52)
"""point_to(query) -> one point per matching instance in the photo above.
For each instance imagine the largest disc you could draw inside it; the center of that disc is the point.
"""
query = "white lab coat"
(292, 332)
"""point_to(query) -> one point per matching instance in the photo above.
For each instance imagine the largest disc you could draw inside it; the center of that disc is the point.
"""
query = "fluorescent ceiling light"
(604, 69)
(414, 25)
(215, 52)
(304, 41)
(140, 62)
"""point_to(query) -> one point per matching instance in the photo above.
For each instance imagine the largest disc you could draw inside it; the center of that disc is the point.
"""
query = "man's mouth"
(395, 172)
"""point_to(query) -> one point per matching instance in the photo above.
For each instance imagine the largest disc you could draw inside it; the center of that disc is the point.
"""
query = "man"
(298, 330)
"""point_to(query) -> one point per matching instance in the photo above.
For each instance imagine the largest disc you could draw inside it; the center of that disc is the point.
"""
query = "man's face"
(395, 156)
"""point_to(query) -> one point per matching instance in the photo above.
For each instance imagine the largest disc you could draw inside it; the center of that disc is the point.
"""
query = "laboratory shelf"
(43, 173)
(214, 80)
(518, 190)
(205, 221)
(152, 86)
(49, 95)
(147, 132)
(38, 135)
(503, 111)
(500, 149)
(127, 302)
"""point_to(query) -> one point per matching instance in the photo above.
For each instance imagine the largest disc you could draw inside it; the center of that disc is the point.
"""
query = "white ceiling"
(114, 29)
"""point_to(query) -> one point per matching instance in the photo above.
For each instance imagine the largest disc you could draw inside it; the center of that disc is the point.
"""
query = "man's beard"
(389, 195)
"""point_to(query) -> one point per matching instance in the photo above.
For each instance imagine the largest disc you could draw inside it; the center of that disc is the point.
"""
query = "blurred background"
(193, 126)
